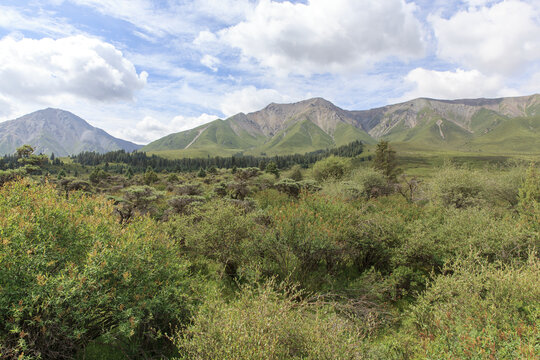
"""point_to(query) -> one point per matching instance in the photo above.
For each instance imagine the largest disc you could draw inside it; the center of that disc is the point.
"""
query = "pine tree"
(129, 173)
(272, 168)
(385, 161)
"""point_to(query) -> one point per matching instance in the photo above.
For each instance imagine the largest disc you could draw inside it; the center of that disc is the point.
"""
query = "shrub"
(98, 175)
(308, 239)
(216, 230)
(296, 173)
(12, 174)
(246, 173)
(457, 187)
(142, 198)
(529, 199)
(272, 168)
(480, 311)
(263, 323)
(238, 189)
(372, 183)
(331, 168)
(271, 198)
(189, 189)
(264, 181)
(150, 176)
(70, 274)
(172, 178)
(183, 204)
(289, 187)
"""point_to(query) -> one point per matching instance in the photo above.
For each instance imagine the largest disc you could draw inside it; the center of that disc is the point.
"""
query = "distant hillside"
(494, 125)
(275, 130)
(59, 132)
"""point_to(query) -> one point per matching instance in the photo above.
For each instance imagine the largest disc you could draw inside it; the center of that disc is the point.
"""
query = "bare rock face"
(382, 121)
(59, 132)
(277, 117)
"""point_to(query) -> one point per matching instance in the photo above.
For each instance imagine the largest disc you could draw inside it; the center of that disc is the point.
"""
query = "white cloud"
(532, 86)
(249, 99)
(454, 85)
(5, 107)
(501, 39)
(210, 62)
(475, 3)
(205, 37)
(324, 36)
(173, 17)
(77, 66)
(150, 129)
(144, 14)
(13, 19)
(228, 11)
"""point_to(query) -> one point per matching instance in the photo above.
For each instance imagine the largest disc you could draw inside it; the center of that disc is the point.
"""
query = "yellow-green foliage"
(457, 187)
(70, 273)
(480, 312)
(265, 324)
(372, 266)
(529, 199)
(331, 168)
(218, 230)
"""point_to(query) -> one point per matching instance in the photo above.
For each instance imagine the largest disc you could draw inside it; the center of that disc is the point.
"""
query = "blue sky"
(141, 69)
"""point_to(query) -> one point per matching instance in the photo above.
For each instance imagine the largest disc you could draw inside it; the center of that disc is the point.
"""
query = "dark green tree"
(272, 168)
(385, 161)
(129, 173)
(150, 176)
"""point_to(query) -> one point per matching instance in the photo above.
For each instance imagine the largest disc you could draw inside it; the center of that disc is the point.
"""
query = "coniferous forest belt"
(140, 161)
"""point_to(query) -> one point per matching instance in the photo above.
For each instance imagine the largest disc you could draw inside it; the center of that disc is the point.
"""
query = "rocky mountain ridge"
(317, 123)
(59, 132)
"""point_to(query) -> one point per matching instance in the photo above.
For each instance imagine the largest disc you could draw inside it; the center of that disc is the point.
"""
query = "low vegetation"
(346, 259)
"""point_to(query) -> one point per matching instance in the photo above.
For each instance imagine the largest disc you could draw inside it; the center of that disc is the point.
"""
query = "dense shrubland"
(340, 261)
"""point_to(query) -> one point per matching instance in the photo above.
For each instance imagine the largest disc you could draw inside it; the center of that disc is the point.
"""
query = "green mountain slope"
(347, 133)
(496, 125)
(301, 137)
(521, 135)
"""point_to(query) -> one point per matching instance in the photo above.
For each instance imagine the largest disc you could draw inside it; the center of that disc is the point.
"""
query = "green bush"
(331, 168)
(296, 173)
(288, 186)
(150, 176)
(480, 311)
(457, 187)
(271, 198)
(10, 175)
(71, 274)
(262, 323)
(217, 230)
(372, 183)
(529, 199)
(308, 239)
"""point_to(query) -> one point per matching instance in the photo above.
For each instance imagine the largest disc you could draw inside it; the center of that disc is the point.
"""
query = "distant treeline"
(140, 161)
(9, 162)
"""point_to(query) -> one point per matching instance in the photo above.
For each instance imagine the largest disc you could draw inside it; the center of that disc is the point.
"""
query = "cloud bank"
(326, 36)
(76, 66)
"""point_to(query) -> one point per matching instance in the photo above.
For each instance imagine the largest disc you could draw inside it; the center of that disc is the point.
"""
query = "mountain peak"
(57, 131)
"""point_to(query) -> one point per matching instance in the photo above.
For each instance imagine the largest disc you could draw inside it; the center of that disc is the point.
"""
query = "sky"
(142, 69)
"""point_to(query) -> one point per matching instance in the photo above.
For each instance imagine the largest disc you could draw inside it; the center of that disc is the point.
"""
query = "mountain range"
(59, 132)
(477, 125)
(504, 125)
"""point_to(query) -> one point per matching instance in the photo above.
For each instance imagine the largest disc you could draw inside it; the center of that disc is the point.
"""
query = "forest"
(328, 255)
